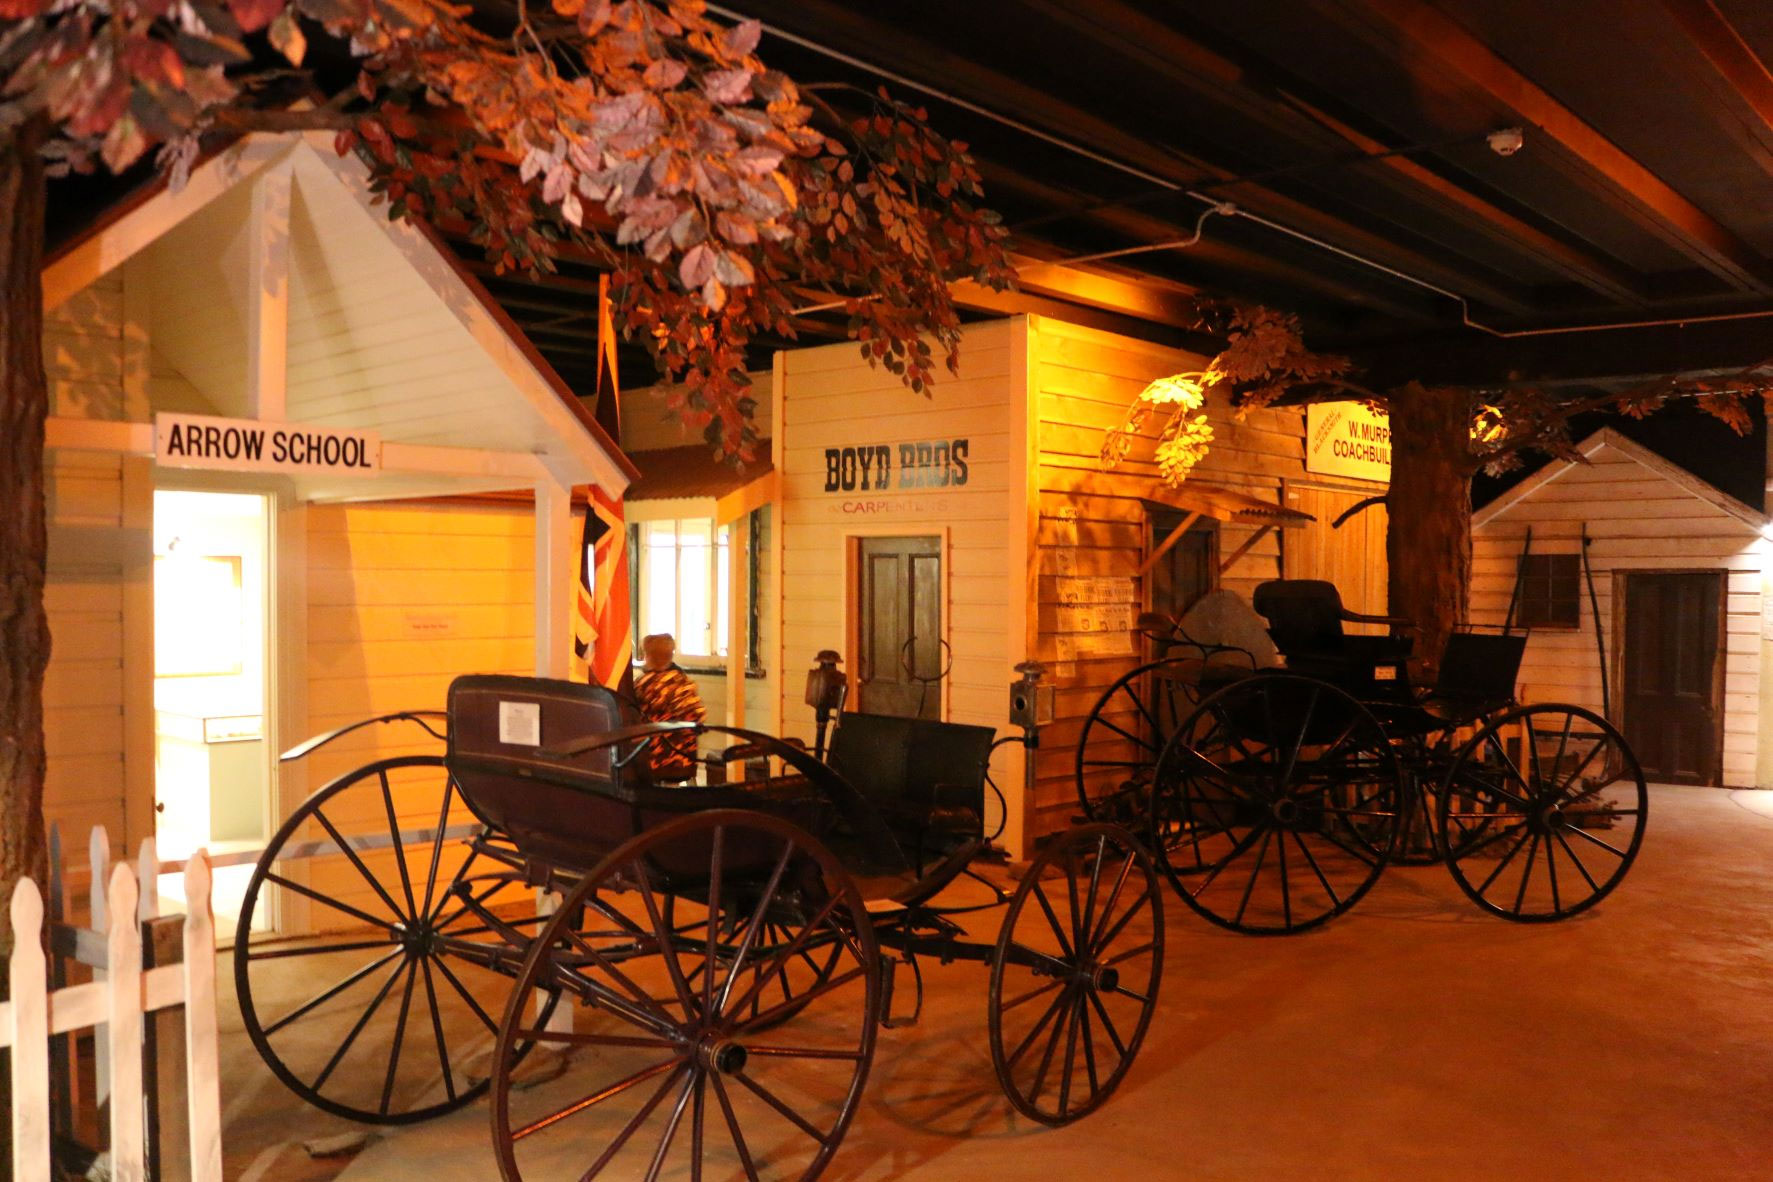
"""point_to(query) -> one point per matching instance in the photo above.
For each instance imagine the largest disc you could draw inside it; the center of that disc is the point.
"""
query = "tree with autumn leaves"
(643, 136)
(1441, 436)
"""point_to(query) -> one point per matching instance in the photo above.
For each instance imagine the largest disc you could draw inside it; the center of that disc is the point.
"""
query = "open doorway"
(212, 753)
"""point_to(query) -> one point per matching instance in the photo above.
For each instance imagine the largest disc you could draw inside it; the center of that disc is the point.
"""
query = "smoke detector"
(1505, 141)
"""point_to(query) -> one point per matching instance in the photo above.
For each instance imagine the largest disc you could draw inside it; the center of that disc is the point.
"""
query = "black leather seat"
(1305, 619)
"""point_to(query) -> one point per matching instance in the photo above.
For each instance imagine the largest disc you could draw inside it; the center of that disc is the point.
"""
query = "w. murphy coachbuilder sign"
(1347, 439)
(248, 445)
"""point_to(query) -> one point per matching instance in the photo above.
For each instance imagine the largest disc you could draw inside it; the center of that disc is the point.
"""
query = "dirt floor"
(1414, 1038)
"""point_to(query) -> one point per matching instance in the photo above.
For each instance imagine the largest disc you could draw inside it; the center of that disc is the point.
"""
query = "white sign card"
(249, 445)
(1347, 439)
(520, 724)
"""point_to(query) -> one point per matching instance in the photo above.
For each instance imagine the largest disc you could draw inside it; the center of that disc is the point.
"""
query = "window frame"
(641, 574)
(1539, 604)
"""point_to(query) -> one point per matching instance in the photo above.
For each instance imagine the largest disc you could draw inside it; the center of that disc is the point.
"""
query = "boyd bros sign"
(1347, 439)
(248, 445)
(882, 467)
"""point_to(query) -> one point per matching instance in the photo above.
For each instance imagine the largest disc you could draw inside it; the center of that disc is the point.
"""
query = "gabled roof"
(1607, 437)
(386, 330)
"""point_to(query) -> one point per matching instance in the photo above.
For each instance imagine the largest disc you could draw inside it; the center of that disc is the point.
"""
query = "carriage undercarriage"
(702, 1001)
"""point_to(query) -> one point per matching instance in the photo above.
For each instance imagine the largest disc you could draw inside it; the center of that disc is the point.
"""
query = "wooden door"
(1352, 556)
(1187, 570)
(899, 624)
(1673, 675)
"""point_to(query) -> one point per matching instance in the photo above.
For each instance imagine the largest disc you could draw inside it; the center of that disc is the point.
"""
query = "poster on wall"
(1347, 439)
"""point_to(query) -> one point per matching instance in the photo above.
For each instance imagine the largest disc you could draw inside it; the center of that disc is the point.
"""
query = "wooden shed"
(1675, 571)
(267, 402)
(938, 541)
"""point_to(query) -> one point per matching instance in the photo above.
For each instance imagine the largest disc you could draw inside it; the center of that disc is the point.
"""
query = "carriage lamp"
(1031, 703)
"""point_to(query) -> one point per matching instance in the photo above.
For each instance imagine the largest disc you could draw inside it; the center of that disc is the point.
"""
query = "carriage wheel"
(1075, 974)
(803, 971)
(674, 1062)
(1124, 734)
(383, 1013)
(1544, 812)
(1276, 804)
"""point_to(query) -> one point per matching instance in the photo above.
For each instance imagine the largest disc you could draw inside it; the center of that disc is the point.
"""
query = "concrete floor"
(1414, 1038)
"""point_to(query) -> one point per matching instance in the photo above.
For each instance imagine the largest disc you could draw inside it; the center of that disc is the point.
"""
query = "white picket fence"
(115, 1002)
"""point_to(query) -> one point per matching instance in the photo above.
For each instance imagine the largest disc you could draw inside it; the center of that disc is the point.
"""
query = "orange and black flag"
(603, 637)
(603, 634)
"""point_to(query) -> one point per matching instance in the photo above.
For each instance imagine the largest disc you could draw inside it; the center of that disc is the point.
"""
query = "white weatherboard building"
(1677, 572)
(272, 411)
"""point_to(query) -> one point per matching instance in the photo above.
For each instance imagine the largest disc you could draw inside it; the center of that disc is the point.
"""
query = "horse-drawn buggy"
(1274, 797)
(701, 994)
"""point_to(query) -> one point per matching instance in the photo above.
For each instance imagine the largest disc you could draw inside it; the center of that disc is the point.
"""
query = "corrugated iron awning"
(692, 473)
(1224, 504)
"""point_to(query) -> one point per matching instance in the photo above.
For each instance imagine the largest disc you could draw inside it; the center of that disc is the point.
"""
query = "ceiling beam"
(1182, 61)
(1714, 36)
(1444, 42)
(1214, 252)
(941, 68)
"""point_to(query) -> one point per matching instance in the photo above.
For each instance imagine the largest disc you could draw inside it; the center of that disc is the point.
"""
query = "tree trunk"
(24, 542)
(1428, 544)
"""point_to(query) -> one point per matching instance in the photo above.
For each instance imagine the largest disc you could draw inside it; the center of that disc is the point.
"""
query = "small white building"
(274, 415)
(1675, 570)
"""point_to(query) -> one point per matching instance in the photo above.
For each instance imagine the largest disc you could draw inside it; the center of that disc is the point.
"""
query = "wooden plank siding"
(1093, 522)
(1638, 519)
(831, 397)
(97, 565)
(401, 599)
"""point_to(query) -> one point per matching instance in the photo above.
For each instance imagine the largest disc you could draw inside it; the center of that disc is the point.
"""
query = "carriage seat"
(1305, 619)
(926, 778)
(568, 811)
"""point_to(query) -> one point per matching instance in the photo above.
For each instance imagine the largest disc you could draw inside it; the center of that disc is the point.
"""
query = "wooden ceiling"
(1347, 140)
(1350, 136)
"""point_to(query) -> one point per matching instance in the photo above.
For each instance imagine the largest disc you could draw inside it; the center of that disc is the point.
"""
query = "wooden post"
(123, 1015)
(98, 861)
(29, 1035)
(202, 1087)
(738, 633)
(555, 573)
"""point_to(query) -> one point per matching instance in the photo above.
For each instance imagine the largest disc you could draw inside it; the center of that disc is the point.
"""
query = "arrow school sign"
(248, 445)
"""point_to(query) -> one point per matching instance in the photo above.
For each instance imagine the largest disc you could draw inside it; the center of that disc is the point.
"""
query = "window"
(1550, 591)
(683, 576)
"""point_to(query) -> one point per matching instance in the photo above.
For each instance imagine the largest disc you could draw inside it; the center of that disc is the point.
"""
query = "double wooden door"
(1673, 675)
(899, 627)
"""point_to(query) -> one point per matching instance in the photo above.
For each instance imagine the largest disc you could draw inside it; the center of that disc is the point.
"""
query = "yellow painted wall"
(98, 691)
(401, 598)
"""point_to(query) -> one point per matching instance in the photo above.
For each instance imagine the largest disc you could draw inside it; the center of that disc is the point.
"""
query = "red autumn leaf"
(254, 15)
(18, 10)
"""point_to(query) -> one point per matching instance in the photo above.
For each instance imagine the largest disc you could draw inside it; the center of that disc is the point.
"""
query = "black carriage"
(1274, 799)
(703, 987)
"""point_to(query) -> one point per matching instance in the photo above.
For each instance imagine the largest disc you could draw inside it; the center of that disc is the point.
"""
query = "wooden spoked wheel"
(1543, 812)
(381, 1011)
(1124, 734)
(1075, 974)
(686, 1057)
(1276, 805)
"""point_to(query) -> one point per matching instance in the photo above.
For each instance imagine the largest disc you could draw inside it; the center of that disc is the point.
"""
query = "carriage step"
(889, 975)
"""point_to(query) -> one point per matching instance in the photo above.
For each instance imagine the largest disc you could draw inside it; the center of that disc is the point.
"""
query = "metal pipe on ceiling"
(1215, 205)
